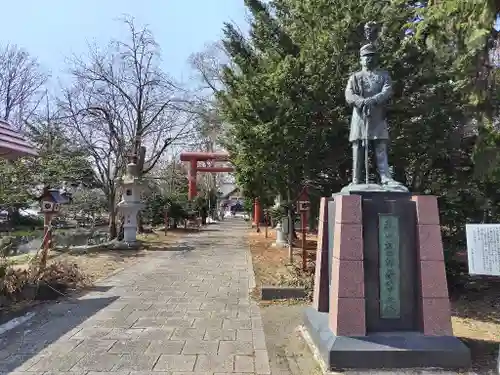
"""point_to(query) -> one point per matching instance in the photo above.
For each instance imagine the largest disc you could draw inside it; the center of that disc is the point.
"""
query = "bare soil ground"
(272, 265)
(476, 313)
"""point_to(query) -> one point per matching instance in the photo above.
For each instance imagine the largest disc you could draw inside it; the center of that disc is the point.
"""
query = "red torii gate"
(194, 157)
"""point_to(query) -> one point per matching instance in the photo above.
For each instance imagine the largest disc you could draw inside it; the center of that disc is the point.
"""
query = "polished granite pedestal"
(380, 294)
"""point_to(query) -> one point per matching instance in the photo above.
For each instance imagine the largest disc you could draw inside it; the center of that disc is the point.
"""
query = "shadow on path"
(50, 329)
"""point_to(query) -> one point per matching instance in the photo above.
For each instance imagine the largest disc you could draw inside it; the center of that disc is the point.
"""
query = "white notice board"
(483, 249)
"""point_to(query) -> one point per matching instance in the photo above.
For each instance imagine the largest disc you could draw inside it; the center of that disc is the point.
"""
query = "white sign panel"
(483, 249)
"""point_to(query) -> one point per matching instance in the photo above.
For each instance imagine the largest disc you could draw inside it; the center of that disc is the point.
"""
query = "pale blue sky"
(52, 30)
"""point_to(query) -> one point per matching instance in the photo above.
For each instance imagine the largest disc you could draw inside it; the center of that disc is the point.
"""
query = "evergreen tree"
(284, 98)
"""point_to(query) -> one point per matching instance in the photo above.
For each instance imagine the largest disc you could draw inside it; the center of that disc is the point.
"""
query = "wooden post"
(266, 218)
(166, 221)
(291, 227)
(303, 215)
(47, 239)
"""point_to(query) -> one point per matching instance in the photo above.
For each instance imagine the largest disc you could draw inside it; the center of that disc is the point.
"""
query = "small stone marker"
(483, 249)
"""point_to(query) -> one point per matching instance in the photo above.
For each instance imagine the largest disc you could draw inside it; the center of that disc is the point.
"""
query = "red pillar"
(192, 178)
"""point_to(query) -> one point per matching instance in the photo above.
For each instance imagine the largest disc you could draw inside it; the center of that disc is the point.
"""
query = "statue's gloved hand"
(369, 102)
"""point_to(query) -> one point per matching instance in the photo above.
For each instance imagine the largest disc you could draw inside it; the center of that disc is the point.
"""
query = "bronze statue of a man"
(368, 92)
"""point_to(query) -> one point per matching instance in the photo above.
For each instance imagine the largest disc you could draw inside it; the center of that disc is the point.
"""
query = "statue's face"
(369, 61)
(371, 31)
(368, 32)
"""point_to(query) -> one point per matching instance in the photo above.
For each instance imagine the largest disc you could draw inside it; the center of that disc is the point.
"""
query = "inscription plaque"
(389, 267)
(483, 249)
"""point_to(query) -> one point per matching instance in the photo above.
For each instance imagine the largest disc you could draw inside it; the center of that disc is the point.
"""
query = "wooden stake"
(266, 218)
(304, 242)
(47, 239)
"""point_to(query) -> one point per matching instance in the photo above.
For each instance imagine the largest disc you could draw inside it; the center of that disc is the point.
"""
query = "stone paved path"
(187, 312)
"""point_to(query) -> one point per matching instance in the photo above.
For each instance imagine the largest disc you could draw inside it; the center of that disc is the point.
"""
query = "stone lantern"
(130, 205)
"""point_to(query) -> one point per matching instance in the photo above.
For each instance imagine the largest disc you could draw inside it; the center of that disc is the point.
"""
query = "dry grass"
(272, 266)
(476, 314)
(97, 264)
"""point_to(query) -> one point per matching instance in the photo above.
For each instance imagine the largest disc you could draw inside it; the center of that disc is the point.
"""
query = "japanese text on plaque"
(389, 271)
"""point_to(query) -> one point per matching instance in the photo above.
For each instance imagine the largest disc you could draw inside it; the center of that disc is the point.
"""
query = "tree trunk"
(140, 223)
(112, 217)
(14, 216)
(291, 227)
(121, 230)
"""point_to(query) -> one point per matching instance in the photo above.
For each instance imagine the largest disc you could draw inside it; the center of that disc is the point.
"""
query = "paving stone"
(179, 322)
(129, 346)
(97, 362)
(114, 323)
(137, 305)
(175, 363)
(18, 362)
(93, 345)
(167, 314)
(237, 324)
(165, 347)
(262, 362)
(187, 333)
(92, 333)
(258, 339)
(243, 364)
(164, 333)
(200, 347)
(124, 334)
(170, 304)
(64, 362)
(177, 300)
(212, 306)
(257, 323)
(197, 314)
(215, 363)
(133, 316)
(236, 347)
(136, 362)
(220, 334)
(193, 305)
(149, 322)
(208, 323)
(231, 314)
(162, 306)
(244, 335)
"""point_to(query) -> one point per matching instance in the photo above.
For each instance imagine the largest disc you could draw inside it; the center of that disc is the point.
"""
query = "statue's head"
(371, 31)
(369, 56)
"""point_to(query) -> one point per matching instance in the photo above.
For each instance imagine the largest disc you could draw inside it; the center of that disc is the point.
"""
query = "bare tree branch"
(21, 84)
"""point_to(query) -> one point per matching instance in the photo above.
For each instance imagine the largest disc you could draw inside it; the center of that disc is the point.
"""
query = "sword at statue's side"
(366, 113)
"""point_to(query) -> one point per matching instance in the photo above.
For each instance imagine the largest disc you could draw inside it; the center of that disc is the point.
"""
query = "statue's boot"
(357, 162)
(382, 162)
